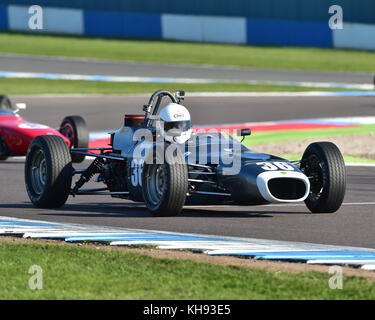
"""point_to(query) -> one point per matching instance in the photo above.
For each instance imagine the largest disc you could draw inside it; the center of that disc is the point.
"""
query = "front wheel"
(323, 163)
(75, 129)
(165, 181)
(48, 172)
(4, 151)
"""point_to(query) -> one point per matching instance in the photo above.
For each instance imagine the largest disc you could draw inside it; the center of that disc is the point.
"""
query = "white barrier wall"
(18, 17)
(64, 20)
(203, 28)
(55, 20)
(180, 27)
(355, 36)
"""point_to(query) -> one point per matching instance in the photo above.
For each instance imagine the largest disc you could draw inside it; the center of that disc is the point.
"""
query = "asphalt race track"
(106, 112)
(352, 225)
(65, 65)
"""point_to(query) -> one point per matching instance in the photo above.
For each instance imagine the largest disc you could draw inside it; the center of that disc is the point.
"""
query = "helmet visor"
(179, 125)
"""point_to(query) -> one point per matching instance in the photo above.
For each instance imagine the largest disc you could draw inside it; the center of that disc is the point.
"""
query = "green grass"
(196, 53)
(293, 135)
(347, 159)
(71, 272)
(43, 86)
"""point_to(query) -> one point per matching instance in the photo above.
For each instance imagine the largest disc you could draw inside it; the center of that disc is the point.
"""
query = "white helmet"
(177, 117)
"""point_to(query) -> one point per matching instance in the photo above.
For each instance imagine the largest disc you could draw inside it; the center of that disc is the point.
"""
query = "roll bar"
(159, 95)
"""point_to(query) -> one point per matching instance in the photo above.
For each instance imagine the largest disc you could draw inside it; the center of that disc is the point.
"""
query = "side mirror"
(19, 106)
(180, 95)
(244, 132)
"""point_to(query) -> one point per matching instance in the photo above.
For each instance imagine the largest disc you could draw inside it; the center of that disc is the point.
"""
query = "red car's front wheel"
(4, 151)
(75, 129)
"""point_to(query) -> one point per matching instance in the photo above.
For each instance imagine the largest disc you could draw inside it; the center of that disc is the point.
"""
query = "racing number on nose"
(269, 166)
(136, 168)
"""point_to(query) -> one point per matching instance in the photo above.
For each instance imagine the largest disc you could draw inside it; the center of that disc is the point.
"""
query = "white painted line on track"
(262, 94)
(358, 203)
(302, 204)
(280, 94)
(276, 205)
(350, 164)
(76, 95)
(109, 78)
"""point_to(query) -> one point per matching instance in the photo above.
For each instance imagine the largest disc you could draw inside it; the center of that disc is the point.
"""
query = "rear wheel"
(75, 129)
(48, 172)
(323, 163)
(5, 103)
(165, 181)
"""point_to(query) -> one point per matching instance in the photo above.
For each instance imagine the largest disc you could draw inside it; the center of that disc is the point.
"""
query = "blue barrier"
(120, 24)
(106, 24)
(3, 17)
(361, 11)
(142, 25)
(201, 28)
(288, 33)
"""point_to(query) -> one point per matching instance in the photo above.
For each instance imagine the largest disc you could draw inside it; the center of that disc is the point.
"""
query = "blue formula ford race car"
(157, 158)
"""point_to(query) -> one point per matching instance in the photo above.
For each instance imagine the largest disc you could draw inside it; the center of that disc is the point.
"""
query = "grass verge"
(43, 86)
(294, 58)
(73, 272)
(295, 135)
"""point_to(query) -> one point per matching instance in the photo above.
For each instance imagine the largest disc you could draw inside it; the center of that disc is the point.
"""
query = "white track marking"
(358, 203)
(85, 77)
(349, 164)
(302, 204)
(262, 94)
(275, 205)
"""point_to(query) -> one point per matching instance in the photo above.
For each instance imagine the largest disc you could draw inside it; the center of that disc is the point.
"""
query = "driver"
(175, 123)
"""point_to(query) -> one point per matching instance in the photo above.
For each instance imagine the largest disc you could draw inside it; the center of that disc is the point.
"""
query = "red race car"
(16, 133)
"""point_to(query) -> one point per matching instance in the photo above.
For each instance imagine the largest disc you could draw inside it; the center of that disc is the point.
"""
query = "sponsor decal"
(178, 115)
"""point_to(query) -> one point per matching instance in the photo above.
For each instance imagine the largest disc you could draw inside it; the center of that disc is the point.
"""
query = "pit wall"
(267, 23)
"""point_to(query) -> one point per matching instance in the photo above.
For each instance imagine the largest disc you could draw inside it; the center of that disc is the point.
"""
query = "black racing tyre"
(5, 103)
(165, 185)
(323, 163)
(48, 171)
(75, 129)
(4, 151)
